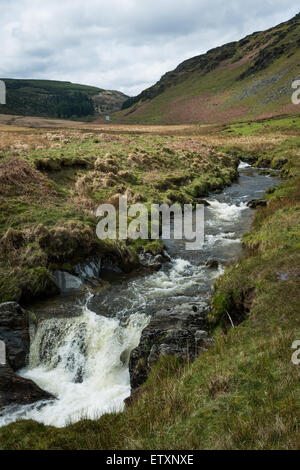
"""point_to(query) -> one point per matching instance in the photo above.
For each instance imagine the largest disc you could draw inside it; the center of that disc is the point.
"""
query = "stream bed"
(83, 359)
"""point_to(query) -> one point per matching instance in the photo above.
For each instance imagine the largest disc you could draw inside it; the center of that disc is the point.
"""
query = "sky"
(124, 45)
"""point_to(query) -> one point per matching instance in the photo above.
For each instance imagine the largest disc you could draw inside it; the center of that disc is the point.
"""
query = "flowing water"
(83, 360)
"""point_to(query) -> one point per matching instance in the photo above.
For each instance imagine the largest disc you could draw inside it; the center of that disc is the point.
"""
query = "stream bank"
(66, 353)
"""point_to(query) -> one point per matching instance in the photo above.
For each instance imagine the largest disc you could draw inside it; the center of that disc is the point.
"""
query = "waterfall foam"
(83, 362)
(243, 166)
(226, 212)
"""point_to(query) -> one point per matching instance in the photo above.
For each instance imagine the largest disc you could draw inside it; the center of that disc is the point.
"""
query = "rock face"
(178, 332)
(257, 203)
(15, 389)
(14, 331)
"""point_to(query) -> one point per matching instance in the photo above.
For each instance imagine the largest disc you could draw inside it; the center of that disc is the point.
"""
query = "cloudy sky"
(122, 44)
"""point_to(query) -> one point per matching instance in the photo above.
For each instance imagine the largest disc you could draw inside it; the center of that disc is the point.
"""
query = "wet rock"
(17, 390)
(67, 282)
(159, 350)
(257, 203)
(212, 264)
(147, 260)
(121, 258)
(178, 332)
(201, 334)
(110, 269)
(90, 269)
(59, 307)
(14, 331)
(203, 201)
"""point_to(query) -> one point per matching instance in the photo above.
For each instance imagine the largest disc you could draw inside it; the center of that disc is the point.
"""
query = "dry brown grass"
(20, 177)
(257, 143)
(15, 122)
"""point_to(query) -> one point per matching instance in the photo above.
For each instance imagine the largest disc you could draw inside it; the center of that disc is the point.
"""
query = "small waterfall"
(83, 362)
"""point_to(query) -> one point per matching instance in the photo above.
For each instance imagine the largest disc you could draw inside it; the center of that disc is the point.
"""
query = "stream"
(83, 359)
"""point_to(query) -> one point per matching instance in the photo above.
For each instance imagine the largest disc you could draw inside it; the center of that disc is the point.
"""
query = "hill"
(247, 79)
(48, 98)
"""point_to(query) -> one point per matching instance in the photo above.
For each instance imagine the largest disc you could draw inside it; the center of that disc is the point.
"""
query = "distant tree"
(129, 102)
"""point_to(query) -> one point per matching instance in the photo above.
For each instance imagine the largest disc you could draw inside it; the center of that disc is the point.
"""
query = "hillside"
(47, 98)
(247, 79)
(108, 101)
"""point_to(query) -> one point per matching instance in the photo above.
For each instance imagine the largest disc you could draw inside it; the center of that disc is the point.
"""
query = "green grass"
(289, 123)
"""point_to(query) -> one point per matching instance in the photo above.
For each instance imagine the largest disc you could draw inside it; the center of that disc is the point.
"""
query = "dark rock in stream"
(203, 202)
(14, 332)
(257, 203)
(179, 332)
(147, 260)
(67, 283)
(14, 389)
(90, 269)
(212, 264)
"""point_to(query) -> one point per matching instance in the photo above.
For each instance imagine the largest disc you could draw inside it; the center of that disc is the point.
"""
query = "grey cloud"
(122, 44)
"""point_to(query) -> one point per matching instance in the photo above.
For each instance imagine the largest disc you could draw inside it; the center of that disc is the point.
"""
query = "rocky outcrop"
(178, 332)
(14, 389)
(14, 332)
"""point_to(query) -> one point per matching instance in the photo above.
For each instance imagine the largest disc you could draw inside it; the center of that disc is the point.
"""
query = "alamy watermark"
(2, 92)
(296, 94)
(2, 353)
(296, 354)
(160, 221)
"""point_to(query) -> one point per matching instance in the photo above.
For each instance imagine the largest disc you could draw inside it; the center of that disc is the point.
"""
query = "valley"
(218, 392)
(137, 343)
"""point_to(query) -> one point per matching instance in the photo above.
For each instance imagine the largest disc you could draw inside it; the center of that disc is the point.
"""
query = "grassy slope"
(242, 80)
(244, 392)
